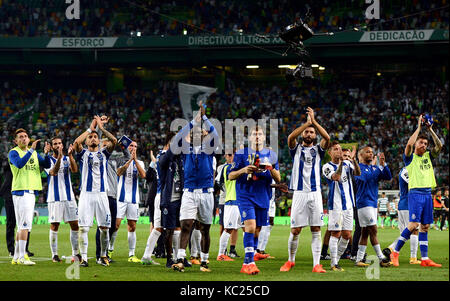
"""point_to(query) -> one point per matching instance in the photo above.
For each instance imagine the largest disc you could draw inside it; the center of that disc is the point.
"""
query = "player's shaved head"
(365, 154)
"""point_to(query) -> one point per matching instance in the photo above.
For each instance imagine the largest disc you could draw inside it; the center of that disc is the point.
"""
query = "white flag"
(191, 95)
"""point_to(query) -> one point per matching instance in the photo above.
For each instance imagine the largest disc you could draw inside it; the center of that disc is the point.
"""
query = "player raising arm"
(421, 181)
(307, 207)
(94, 184)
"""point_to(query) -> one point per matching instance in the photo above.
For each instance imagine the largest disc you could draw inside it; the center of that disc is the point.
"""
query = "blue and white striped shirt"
(128, 184)
(340, 195)
(306, 168)
(59, 186)
(93, 169)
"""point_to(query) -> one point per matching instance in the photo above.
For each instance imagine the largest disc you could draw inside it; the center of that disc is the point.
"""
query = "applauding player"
(307, 207)
(128, 197)
(93, 198)
(340, 201)
(421, 180)
(60, 197)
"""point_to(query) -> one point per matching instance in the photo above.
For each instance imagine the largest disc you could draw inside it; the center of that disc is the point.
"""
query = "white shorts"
(94, 204)
(272, 208)
(128, 210)
(403, 220)
(197, 205)
(231, 217)
(367, 216)
(157, 213)
(339, 220)
(66, 211)
(24, 210)
(307, 209)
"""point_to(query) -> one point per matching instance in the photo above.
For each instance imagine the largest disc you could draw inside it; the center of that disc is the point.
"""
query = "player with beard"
(60, 197)
(421, 181)
(366, 202)
(340, 201)
(94, 184)
(307, 207)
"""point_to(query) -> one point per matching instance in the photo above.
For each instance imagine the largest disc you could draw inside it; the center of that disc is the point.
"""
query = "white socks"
(196, 237)
(342, 246)
(414, 241)
(377, 249)
(204, 256)
(264, 237)
(16, 250)
(316, 247)
(223, 242)
(53, 238)
(151, 243)
(361, 252)
(131, 243)
(104, 240)
(292, 246)
(84, 242)
(22, 247)
(181, 254)
(74, 242)
(333, 246)
(175, 243)
(112, 240)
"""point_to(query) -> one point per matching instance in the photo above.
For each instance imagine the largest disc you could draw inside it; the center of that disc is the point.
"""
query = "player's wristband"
(89, 130)
(31, 150)
(269, 167)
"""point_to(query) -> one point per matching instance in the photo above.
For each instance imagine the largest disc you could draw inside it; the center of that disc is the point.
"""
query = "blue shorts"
(420, 208)
(250, 211)
(170, 216)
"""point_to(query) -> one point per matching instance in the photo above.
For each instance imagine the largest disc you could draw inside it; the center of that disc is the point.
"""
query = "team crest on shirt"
(244, 214)
(25, 224)
(31, 161)
(313, 152)
(165, 212)
(336, 225)
(233, 165)
(371, 220)
(413, 216)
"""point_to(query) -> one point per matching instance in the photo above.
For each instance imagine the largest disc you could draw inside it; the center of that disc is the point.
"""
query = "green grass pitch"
(121, 270)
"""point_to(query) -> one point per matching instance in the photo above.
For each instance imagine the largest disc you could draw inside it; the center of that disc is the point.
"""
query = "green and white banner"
(396, 36)
(97, 42)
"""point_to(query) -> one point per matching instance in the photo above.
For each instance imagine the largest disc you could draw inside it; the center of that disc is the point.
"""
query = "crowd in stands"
(30, 18)
(380, 112)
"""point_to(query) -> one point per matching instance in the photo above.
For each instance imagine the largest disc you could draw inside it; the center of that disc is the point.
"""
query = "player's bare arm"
(337, 175)
(141, 171)
(101, 122)
(72, 163)
(78, 143)
(357, 171)
(325, 142)
(121, 170)
(413, 138)
(292, 138)
(55, 169)
(437, 142)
